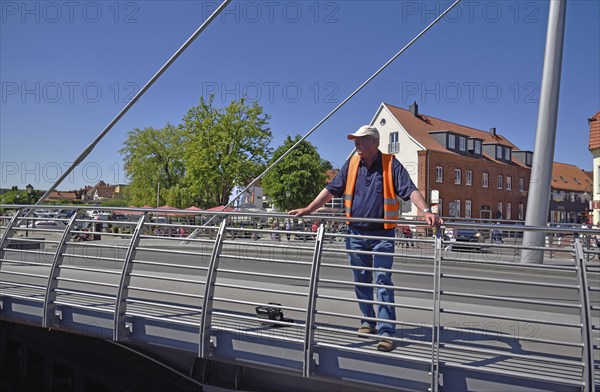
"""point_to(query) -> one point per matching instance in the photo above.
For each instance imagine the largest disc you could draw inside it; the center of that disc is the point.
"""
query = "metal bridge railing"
(465, 310)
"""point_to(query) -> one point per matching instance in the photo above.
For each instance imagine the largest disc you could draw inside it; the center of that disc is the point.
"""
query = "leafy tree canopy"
(298, 178)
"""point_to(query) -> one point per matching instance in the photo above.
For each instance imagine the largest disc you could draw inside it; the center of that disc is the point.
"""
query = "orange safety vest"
(390, 203)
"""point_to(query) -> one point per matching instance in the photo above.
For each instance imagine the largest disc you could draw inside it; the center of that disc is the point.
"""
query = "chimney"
(414, 109)
(493, 132)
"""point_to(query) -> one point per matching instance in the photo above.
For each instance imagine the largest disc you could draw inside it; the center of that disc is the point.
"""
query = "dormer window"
(451, 141)
(462, 143)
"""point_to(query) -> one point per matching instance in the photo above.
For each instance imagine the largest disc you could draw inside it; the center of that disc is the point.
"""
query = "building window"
(507, 154)
(499, 213)
(467, 208)
(394, 146)
(454, 208)
(462, 143)
(508, 183)
(478, 147)
(451, 141)
(500, 182)
(457, 176)
(439, 206)
(439, 174)
(469, 180)
(508, 210)
(498, 152)
(522, 184)
(521, 210)
(484, 180)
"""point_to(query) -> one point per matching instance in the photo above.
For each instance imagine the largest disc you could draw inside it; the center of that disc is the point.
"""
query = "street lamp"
(28, 189)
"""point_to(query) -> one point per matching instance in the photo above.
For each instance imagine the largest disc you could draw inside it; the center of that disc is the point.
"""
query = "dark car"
(465, 238)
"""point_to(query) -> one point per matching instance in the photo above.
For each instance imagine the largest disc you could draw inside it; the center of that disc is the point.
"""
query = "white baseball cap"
(365, 130)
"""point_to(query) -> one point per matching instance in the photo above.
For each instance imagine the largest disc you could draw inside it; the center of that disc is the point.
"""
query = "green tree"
(224, 148)
(298, 178)
(152, 157)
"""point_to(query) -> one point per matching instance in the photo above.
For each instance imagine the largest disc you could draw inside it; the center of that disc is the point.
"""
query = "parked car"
(465, 238)
(54, 224)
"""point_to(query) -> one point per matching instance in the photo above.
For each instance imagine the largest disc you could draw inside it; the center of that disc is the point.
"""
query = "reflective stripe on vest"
(390, 203)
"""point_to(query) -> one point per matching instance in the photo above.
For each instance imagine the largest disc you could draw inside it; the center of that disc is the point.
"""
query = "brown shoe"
(366, 329)
(385, 345)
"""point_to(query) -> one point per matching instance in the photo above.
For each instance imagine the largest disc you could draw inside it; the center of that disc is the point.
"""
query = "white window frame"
(508, 211)
(499, 208)
(451, 141)
(521, 184)
(457, 176)
(468, 205)
(508, 183)
(478, 147)
(485, 180)
(500, 181)
(439, 174)
(462, 143)
(469, 179)
(521, 211)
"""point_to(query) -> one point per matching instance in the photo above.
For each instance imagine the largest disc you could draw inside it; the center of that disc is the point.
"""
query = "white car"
(54, 224)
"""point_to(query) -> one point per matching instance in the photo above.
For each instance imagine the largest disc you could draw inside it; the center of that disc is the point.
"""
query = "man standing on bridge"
(370, 182)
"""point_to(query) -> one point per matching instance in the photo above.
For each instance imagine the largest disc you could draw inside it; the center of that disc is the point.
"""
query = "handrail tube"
(102, 258)
(109, 310)
(100, 271)
(528, 376)
(311, 305)
(264, 290)
(366, 335)
(586, 321)
(374, 302)
(501, 335)
(280, 261)
(536, 358)
(162, 305)
(251, 303)
(167, 278)
(375, 319)
(259, 320)
(86, 294)
(240, 272)
(48, 315)
(497, 316)
(11, 262)
(119, 319)
(8, 233)
(60, 278)
(149, 290)
(158, 263)
(516, 265)
(510, 299)
(497, 280)
(375, 269)
(435, 324)
(204, 346)
(25, 274)
(374, 285)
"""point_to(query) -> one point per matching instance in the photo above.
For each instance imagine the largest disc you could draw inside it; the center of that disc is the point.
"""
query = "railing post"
(586, 321)
(209, 290)
(313, 284)
(50, 296)
(119, 326)
(8, 233)
(435, 327)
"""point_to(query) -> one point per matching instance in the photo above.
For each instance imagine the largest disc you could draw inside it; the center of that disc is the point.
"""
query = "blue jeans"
(385, 312)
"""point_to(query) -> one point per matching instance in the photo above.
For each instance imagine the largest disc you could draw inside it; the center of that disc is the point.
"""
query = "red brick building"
(468, 173)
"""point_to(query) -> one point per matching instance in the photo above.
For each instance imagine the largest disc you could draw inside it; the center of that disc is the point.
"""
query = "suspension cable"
(135, 99)
(343, 103)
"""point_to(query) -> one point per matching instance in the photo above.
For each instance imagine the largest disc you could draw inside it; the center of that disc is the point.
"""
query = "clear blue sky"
(67, 68)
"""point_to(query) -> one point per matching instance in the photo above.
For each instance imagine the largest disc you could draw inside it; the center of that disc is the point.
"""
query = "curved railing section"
(470, 314)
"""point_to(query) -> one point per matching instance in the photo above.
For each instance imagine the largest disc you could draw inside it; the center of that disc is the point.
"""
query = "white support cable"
(135, 99)
(391, 60)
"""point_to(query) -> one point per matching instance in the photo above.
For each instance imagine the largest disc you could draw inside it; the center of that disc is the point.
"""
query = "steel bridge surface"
(466, 320)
